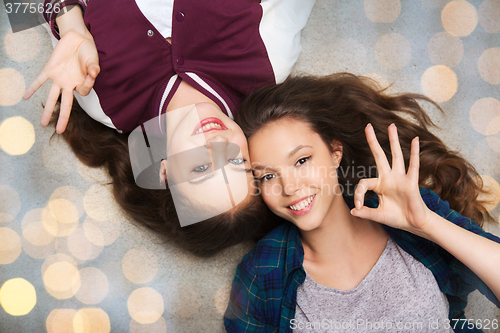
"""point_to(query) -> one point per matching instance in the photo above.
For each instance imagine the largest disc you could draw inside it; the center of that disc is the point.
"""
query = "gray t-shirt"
(399, 294)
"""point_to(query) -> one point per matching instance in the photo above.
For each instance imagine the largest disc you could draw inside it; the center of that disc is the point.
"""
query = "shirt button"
(179, 16)
(150, 33)
(180, 61)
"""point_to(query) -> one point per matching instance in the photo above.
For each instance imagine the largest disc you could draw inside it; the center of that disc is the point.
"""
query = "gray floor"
(61, 231)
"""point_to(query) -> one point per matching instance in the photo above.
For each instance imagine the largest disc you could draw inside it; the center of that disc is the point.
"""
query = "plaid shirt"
(264, 290)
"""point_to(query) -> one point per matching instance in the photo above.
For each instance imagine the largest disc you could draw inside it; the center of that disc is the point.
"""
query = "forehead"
(280, 137)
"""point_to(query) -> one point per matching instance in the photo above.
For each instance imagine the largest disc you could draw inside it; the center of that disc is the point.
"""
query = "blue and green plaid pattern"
(264, 290)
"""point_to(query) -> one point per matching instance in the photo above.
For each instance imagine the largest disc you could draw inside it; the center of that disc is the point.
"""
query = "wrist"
(70, 18)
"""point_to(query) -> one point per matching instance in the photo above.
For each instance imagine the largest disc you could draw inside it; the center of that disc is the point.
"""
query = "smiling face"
(296, 172)
(207, 162)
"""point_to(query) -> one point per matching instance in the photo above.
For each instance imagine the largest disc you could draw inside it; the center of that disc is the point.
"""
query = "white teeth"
(303, 204)
(208, 127)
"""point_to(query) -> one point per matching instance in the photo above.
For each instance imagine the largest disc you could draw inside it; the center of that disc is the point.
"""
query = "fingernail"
(358, 204)
(369, 125)
(392, 125)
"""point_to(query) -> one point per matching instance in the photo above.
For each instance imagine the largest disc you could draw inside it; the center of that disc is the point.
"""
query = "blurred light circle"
(10, 203)
(140, 265)
(485, 116)
(60, 321)
(459, 18)
(10, 246)
(493, 188)
(33, 229)
(23, 45)
(489, 16)
(445, 49)
(17, 297)
(101, 233)
(489, 65)
(80, 247)
(61, 276)
(382, 11)
(439, 83)
(12, 87)
(145, 305)
(91, 320)
(94, 286)
(159, 326)
(17, 135)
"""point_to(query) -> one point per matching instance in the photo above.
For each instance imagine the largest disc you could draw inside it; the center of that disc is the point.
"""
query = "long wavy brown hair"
(97, 145)
(338, 107)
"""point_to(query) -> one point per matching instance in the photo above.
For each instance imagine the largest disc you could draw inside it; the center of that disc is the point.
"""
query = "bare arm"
(73, 65)
(401, 206)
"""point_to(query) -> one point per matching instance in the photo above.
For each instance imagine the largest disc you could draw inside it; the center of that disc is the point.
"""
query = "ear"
(337, 152)
(163, 171)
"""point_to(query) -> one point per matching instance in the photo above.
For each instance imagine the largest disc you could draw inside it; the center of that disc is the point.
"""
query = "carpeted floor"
(86, 268)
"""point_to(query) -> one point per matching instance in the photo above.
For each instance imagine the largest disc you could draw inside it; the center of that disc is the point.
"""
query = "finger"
(398, 162)
(37, 83)
(364, 185)
(50, 104)
(366, 213)
(379, 155)
(66, 103)
(86, 86)
(93, 69)
(413, 169)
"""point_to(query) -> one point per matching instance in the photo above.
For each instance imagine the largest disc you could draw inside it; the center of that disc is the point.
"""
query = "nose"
(290, 183)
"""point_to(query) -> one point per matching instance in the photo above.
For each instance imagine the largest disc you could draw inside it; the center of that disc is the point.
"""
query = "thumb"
(364, 213)
(93, 69)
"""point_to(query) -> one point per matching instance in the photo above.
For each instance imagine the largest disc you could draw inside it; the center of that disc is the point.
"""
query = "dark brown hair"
(98, 145)
(338, 107)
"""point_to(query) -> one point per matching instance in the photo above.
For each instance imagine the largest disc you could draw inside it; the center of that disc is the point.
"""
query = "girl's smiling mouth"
(302, 206)
(208, 125)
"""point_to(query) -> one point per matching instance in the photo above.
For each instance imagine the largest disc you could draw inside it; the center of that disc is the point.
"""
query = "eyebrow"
(293, 152)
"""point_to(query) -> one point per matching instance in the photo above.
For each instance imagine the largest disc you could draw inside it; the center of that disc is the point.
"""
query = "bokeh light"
(94, 286)
(34, 230)
(17, 297)
(10, 203)
(459, 18)
(489, 65)
(159, 326)
(12, 86)
(382, 11)
(10, 246)
(145, 305)
(489, 16)
(91, 320)
(393, 51)
(493, 189)
(80, 247)
(17, 135)
(445, 49)
(23, 45)
(439, 83)
(60, 321)
(140, 265)
(101, 233)
(485, 116)
(61, 276)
